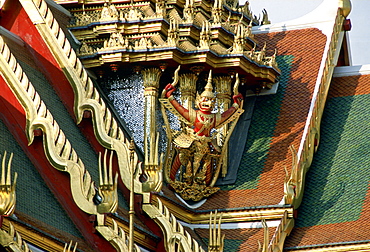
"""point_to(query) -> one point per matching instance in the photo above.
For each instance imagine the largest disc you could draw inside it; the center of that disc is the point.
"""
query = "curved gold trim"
(106, 128)
(7, 189)
(294, 184)
(36, 238)
(335, 248)
(57, 148)
(12, 240)
(116, 236)
(228, 216)
(174, 232)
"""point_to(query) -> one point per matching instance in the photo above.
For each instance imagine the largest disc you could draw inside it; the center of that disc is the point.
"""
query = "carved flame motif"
(108, 186)
(7, 189)
(216, 240)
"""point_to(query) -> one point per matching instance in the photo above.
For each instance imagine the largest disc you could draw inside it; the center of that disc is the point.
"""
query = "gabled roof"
(306, 54)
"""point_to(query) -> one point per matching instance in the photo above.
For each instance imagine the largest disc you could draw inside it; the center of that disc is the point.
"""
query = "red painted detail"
(175, 167)
(18, 22)
(37, 132)
(13, 115)
(87, 114)
(347, 25)
(9, 13)
(21, 25)
(295, 213)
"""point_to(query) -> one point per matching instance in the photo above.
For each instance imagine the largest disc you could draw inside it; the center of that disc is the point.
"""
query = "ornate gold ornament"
(266, 235)
(197, 152)
(205, 36)
(302, 159)
(109, 12)
(12, 240)
(57, 148)
(108, 186)
(87, 97)
(7, 189)
(189, 10)
(216, 240)
(278, 238)
(68, 247)
(174, 233)
(116, 236)
(152, 165)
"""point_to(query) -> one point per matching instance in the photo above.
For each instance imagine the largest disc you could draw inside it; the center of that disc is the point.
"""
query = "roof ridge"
(322, 18)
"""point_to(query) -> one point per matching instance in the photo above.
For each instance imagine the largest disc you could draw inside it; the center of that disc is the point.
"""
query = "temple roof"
(278, 148)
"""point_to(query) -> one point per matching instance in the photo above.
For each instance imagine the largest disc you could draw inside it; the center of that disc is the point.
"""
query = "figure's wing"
(235, 116)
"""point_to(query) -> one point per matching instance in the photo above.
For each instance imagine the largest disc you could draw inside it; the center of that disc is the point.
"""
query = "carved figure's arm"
(229, 115)
(183, 111)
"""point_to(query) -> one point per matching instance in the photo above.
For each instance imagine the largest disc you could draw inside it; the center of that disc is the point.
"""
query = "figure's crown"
(208, 89)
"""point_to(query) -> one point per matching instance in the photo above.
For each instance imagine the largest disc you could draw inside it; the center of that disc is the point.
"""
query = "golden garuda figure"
(196, 153)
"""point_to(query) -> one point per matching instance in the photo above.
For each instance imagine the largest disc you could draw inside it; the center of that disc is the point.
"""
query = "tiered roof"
(165, 35)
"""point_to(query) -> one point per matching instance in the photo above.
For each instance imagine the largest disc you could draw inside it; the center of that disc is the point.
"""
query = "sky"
(359, 36)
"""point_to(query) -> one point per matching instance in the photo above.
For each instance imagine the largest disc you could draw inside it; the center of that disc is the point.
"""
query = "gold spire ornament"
(208, 89)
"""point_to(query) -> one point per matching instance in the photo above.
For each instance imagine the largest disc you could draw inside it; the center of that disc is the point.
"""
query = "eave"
(228, 215)
(358, 246)
(175, 57)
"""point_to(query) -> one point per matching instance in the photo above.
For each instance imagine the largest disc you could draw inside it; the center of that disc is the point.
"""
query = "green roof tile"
(338, 178)
(261, 131)
(33, 196)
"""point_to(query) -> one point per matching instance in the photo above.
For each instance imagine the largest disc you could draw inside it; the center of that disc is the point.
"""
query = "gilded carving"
(277, 240)
(108, 185)
(109, 12)
(116, 236)
(152, 165)
(216, 240)
(195, 155)
(68, 247)
(87, 97)
(160, 8)
(205, 36)
(116, 40)
(173, 33)
(217, 13)
(57, 147)
(85, 49)
(7, 189)
(189, 10)
(239, 38)
(302, 159)
(12, 240)
(174, 233)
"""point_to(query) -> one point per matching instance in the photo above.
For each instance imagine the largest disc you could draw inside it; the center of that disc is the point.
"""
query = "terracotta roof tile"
(263, 181)
(350, 85)
(244, 239)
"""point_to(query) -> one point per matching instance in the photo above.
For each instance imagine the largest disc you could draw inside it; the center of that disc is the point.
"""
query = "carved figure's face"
(206, 104)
